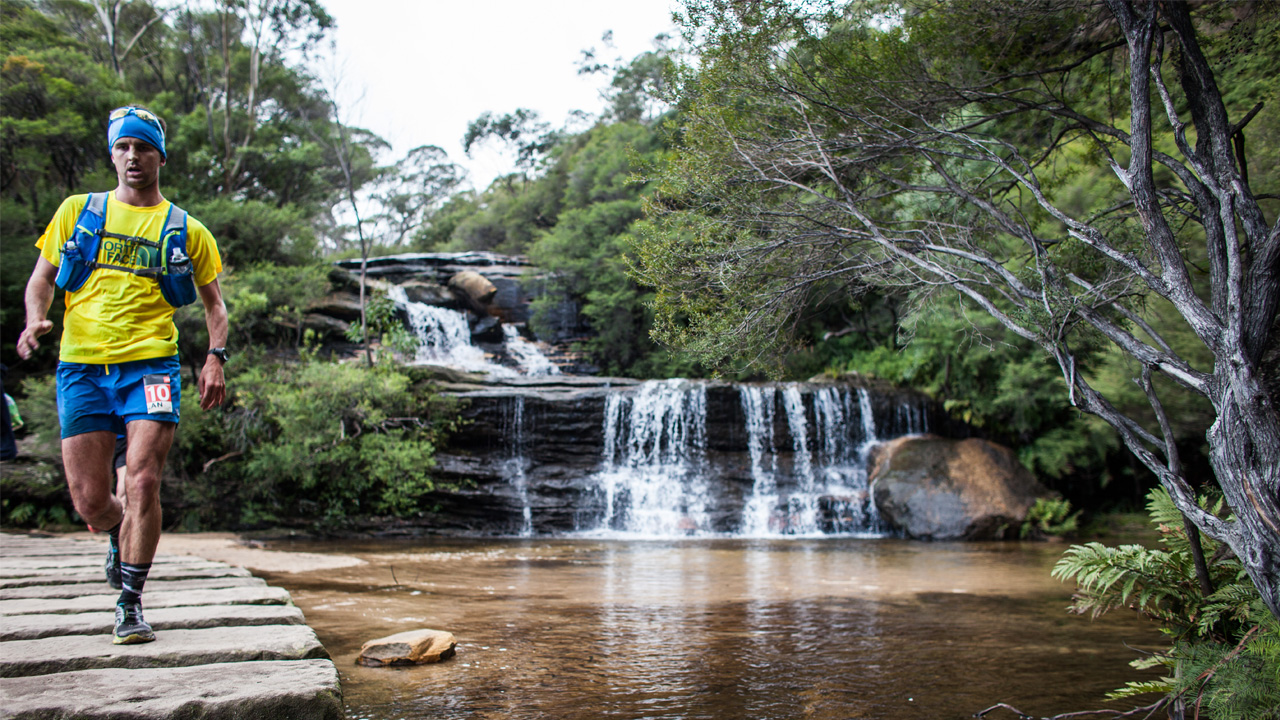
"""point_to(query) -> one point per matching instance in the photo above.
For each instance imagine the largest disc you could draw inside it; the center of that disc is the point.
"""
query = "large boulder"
(474, 288)
(936, 488)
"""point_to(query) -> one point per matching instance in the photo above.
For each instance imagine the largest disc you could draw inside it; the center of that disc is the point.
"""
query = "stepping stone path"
(227, 645)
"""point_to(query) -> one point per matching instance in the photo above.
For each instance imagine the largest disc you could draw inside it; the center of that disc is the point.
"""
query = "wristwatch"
(220, 353)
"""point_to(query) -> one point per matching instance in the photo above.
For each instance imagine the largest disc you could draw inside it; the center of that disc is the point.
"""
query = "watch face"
(219, 353)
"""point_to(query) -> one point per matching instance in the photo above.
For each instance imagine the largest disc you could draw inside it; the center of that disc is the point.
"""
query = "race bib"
(159, 396)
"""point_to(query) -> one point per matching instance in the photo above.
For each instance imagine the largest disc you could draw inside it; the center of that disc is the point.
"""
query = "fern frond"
(1164, 686)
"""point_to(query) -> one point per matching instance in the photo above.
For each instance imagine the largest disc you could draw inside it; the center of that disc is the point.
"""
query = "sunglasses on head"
(140, 113)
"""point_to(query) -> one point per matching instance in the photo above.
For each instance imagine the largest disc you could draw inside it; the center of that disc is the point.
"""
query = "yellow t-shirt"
(117, 316)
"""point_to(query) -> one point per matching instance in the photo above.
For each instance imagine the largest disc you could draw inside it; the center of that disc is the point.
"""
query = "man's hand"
(27, 342)
(38, 298)
(213, 384)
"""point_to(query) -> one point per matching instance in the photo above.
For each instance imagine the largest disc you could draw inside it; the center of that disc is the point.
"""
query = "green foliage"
(383, 322)
(1239, 681)
(990, 379)
(266, 307)
(314, 441)
(40, 413)
(1160, 584)
(587, 251)
(1050, 518)
(577, 220)
(1225, 656)
(521, 129)
(33, 492)
(252, 232)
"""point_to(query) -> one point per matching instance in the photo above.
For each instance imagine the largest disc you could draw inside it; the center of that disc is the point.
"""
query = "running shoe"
(131, 629)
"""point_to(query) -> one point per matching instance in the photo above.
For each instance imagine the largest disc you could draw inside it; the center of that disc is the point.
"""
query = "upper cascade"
(445, 337)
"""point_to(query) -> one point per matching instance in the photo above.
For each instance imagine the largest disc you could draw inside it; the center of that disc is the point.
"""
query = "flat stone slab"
(83, 561)
(173, 648)
(228, 647)
(262, 595)
(159, 572)
(8, 569)
(31, 627)
(300, 690)
(45, 550)
(77, 590)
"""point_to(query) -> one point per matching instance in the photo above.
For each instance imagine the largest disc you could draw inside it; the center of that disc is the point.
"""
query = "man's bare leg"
(149, 443)
(87, 459)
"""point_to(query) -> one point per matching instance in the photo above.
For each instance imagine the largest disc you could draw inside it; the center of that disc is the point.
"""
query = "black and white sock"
(132, 577)
(114, 535)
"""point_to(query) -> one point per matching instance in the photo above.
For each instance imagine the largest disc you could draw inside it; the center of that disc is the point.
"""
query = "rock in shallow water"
(941, 489)
(413, 647)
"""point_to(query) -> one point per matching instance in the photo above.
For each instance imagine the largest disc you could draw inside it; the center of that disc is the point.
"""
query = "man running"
(127, 259)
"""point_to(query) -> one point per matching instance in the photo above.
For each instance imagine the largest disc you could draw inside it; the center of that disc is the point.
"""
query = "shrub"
(315, 441)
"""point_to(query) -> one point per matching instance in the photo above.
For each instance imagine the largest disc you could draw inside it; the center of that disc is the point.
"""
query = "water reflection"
(717, 629)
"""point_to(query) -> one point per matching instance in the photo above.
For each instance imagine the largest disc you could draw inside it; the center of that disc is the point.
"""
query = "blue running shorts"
(106, 397)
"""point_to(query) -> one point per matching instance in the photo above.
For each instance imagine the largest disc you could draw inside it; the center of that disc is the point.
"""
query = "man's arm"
(213, 384)
(39, 297)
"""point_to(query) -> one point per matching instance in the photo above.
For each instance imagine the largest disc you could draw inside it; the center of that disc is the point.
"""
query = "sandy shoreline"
(231, 549)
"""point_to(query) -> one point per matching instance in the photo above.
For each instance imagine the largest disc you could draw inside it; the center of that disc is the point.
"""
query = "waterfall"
(870, 514)
(868, 419)
(517, 464)
(661, 475)
(444, 338)
(910, 419)
(654, 445)
(830, 408)
(826, 491)
(757, 408)
(802, 506)
(527, 355)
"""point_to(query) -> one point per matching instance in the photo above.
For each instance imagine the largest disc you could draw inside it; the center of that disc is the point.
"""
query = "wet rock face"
(551, 434)
(484, 282)
(935, 488)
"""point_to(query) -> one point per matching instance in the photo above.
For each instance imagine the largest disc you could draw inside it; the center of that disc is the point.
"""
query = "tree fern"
(1225, 659)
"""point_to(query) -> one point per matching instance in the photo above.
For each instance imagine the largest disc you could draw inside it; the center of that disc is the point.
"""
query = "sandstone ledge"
(269, 690)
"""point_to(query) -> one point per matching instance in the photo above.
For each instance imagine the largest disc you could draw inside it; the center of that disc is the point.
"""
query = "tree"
(520, 130)
(412, 190)
(274, 27)
(930, 149)
(109, 16)
(352, 150)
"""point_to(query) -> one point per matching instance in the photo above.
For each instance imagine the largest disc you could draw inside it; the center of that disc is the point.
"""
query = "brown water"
(827, 629)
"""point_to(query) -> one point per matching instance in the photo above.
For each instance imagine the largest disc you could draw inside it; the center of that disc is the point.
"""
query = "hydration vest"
(169, 265)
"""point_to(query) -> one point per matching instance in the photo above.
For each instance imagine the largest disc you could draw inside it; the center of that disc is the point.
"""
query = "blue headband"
(131, 125)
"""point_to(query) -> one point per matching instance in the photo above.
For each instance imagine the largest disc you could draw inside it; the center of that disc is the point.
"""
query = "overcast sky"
(425, 69)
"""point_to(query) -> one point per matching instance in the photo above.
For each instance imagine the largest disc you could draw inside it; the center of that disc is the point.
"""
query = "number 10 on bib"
(159, 396)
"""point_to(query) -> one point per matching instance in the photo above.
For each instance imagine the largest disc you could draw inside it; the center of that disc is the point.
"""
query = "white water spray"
(759, 508)
(527, 355)
(655, 442)
(802, 506)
